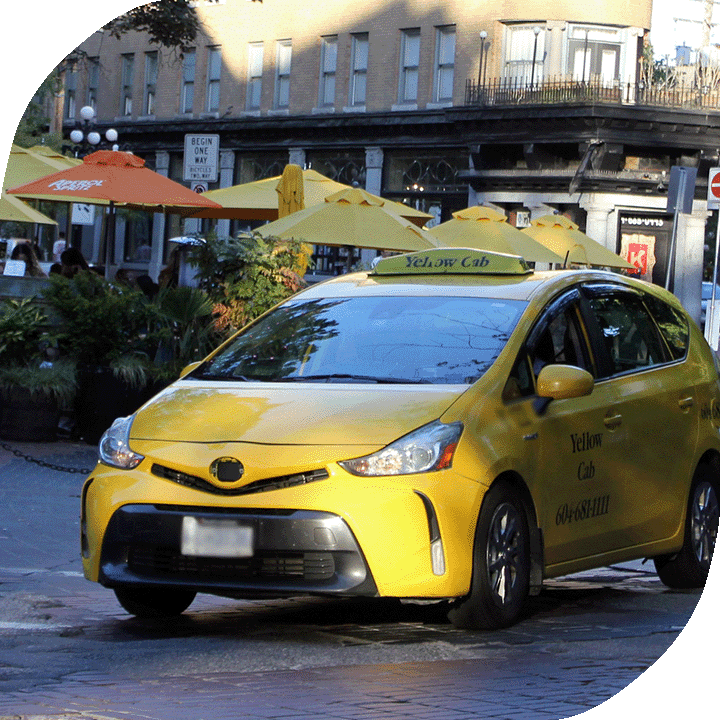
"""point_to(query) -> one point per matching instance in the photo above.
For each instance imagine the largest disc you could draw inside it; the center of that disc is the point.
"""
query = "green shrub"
(100, 322)
(55, 380)
(246, 275)
(22, 326)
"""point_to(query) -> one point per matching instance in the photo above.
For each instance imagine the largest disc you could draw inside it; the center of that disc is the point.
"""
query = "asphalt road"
(67, 650)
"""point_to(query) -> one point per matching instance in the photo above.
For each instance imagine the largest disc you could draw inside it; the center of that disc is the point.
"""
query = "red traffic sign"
(713, 196)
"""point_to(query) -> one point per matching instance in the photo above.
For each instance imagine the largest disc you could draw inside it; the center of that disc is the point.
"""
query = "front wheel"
(501, 564)
(689, 568)
(154, 603)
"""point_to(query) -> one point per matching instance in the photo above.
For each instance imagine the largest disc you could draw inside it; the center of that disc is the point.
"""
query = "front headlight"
(115, 445)
(426, 449)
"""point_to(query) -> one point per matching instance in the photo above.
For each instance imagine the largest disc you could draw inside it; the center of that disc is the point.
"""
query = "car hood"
(290, 413)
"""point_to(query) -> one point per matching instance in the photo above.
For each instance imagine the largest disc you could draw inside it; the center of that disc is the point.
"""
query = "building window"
(213, 79)
(187, 95)
(594, 53)
(255, 72)
(444, 63)
(328, 68)
(409, 66)
(525, 55)
(128, 71)
(70, 94)
(93, 82)
(359, 68)
(151, 75)
(282, 74)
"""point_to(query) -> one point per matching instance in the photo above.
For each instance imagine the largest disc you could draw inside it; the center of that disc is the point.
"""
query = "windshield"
(395, 339)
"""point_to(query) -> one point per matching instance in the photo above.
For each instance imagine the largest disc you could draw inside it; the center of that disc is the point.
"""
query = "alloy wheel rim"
(704, 523)
(504, 553)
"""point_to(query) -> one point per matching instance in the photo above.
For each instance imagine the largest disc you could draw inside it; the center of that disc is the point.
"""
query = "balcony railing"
(501, 92)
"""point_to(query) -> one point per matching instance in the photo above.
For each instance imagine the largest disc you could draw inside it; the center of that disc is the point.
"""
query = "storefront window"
(343, 167)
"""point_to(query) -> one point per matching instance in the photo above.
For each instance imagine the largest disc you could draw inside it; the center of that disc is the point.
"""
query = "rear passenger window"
(631, 337)
(673, 325)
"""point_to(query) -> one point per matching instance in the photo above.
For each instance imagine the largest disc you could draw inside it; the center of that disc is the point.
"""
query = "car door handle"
(686, 403)
(612, 422)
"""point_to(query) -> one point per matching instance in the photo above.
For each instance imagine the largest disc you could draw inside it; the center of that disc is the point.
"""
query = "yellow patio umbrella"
(483, 228)
(563, 237)
(25, 165)
(258, 200)
(290, 190)
(355, 218)
(13, 209)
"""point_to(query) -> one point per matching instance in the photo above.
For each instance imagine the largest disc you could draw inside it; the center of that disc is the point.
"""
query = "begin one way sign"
(201, 157)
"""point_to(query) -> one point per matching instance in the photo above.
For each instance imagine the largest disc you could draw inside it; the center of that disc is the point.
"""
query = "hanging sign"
(83, 214)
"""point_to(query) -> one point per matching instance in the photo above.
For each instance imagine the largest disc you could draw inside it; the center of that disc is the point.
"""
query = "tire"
(154, 603)
(689, 568)
(501, 564)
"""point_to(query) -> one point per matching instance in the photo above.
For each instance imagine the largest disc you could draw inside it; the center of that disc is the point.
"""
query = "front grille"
(308, 567)
(265, 485)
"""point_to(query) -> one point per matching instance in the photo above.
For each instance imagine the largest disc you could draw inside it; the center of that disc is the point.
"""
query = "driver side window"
(557, 339)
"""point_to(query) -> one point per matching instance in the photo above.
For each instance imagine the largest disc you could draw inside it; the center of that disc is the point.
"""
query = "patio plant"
(35, 386)
(127, 347)
(109, 331)
(187, 329)
(246, 275)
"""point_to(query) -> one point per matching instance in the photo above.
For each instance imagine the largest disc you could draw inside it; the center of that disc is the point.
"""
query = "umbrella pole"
(109, 239)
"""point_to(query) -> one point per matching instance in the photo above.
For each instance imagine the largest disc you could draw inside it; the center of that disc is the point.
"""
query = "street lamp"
(536, 31)
(481, 68)
(85, 139)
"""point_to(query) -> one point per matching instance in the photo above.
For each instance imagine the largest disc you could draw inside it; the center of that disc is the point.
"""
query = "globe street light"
(85, 138)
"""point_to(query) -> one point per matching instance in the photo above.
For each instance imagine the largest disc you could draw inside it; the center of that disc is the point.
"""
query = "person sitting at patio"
(24, 251)
(72, 261)
(58, 246)
(148, 286)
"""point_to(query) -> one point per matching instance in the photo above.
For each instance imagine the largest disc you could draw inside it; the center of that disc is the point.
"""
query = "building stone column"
(227, 175)
(157, 244)
(297, 156)
(374, 158)
(554, 45)
(597, 225)
(689, 253)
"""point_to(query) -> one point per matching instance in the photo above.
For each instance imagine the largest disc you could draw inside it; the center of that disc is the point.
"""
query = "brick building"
(530, 107)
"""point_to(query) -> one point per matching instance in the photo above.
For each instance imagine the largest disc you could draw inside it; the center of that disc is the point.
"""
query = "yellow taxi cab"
(449, 426)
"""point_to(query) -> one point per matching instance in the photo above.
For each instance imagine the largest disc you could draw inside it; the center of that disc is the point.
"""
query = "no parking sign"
(713, 196)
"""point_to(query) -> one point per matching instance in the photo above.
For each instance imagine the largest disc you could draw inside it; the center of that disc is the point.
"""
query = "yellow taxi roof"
(452, 271)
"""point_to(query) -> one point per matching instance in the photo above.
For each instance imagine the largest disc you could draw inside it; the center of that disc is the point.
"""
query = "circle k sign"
(713, 196)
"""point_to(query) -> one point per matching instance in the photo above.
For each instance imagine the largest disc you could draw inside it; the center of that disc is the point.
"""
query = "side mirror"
(189, 368)
(561, 382)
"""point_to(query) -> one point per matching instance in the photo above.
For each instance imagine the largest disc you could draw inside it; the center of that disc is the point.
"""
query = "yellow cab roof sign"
(452, 261)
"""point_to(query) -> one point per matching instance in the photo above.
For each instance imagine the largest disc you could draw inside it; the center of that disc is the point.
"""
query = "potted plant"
(34, 386)
(110, 333)
(246, 275)
(126, 346)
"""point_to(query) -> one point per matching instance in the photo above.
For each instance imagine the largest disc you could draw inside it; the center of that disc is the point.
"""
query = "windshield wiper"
(352, 377)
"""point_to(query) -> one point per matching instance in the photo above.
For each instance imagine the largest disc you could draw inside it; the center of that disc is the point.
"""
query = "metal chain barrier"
(43, 463)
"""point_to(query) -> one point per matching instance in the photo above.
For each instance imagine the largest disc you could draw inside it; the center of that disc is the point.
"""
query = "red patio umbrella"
(109, 177)
(112, 178)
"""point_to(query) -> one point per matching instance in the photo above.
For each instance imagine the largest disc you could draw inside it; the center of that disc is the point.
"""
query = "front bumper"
(295, 552)
(408, 536)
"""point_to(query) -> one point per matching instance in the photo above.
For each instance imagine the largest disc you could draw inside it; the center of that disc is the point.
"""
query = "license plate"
(209, 537)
